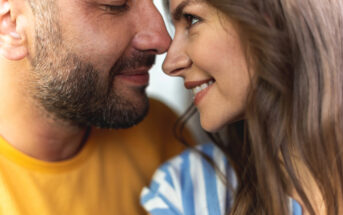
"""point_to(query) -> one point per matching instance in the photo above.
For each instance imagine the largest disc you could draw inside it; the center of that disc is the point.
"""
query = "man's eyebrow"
(177, 12)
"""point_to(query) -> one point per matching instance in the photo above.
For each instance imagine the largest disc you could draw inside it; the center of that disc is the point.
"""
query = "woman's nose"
(177, 59)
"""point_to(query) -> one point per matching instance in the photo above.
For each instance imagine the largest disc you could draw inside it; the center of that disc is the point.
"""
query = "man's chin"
(120, 117)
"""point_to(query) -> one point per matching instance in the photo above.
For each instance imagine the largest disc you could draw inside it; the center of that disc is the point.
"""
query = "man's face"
(90, 59)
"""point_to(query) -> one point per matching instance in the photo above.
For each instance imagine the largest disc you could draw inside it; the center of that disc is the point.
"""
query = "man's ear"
(12, 43)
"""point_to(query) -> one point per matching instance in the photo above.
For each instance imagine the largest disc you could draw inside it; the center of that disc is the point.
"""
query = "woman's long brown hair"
(295, 108)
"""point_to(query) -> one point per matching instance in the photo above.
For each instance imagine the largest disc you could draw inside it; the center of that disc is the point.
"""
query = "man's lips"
(138, 76)
(136, 71)
(193, 84)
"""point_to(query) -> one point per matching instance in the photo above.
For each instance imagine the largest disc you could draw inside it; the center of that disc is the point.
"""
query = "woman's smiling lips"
(199, 88)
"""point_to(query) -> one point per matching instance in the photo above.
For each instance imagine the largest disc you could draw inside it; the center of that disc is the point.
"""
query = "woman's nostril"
(176, 72)
(176, 67)
(176, 60)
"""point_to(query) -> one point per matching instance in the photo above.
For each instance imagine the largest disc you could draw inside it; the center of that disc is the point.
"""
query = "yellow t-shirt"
(105, 177)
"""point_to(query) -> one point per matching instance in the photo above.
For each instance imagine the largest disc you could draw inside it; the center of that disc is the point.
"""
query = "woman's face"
(207, 53)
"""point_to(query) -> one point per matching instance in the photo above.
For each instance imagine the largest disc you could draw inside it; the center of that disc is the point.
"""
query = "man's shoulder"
(148, 143)
(156, 130)
(159, 112)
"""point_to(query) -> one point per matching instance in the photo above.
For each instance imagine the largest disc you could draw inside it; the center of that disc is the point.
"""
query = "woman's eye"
(191, 20)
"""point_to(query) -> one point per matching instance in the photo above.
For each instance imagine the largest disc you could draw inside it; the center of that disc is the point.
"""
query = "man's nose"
(151, 32)
(177, 59)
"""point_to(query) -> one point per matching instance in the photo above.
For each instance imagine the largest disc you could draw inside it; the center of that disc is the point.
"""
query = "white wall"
(170, 90)
(167, 89)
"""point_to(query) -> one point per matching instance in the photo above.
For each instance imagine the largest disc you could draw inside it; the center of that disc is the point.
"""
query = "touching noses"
(177, 59)
(151, 33)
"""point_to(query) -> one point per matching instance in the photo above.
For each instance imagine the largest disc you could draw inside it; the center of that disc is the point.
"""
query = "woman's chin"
(211, 126)
(214, 125)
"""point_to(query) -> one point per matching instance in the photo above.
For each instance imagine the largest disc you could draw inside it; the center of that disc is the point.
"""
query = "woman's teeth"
(202, 87)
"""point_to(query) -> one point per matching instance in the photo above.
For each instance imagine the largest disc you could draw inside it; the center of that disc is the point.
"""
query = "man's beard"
(74, 91)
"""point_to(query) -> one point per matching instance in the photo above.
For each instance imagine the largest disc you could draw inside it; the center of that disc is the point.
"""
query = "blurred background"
(171, 90)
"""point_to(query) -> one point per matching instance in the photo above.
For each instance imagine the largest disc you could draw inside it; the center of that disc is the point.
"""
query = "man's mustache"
(133, 62)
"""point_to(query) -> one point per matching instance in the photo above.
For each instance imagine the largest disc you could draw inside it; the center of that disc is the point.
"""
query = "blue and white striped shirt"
(188, 185)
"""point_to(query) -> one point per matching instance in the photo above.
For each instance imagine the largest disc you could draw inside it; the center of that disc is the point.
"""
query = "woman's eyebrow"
(178, 11)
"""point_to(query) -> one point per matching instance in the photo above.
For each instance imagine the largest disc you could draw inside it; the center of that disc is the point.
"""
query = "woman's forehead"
(172, 4)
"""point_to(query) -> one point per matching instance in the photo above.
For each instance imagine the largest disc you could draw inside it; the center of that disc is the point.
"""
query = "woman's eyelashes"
(191, 20)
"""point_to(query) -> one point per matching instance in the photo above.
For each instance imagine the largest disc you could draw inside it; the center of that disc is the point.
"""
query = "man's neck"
(28, 128)
(40, 139)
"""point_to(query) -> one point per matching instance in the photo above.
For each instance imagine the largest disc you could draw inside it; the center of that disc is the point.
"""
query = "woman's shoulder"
(188, 184)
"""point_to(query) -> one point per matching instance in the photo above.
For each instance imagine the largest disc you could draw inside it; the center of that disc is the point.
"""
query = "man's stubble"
(72, 90)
